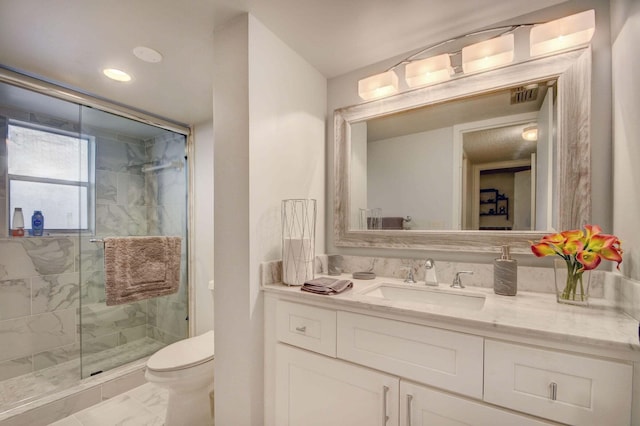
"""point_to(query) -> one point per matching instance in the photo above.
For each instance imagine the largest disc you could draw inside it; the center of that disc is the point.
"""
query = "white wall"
(403, 179)
(625, 35)
(202, 257)
(269, 118)
(342, 92)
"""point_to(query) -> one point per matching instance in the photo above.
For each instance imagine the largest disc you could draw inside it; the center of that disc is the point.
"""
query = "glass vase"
(572, 284)
(298, 240)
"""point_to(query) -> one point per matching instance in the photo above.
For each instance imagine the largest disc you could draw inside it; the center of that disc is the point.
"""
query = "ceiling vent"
(523, 94)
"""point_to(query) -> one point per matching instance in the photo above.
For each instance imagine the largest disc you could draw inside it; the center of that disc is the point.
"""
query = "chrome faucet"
(457, 281)
(430, 273)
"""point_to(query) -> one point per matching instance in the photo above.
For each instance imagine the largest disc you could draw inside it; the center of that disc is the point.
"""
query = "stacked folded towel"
(326, 285)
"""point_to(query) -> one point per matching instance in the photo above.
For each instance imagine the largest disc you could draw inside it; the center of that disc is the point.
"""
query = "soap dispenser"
(505, 274)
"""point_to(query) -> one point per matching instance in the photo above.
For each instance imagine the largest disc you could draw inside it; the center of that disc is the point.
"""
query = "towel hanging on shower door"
(138, 268)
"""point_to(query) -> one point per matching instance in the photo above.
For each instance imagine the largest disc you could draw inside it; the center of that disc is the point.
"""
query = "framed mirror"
(447, 167)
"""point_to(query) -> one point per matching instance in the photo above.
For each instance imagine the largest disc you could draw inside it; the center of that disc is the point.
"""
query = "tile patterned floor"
(145, 405)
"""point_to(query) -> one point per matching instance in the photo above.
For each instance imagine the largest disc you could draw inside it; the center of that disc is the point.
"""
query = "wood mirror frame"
(573, 159)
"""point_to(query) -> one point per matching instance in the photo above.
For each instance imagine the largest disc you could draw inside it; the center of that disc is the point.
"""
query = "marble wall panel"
(116, 156)
(106, 187)
(54, 292)
(92, 287)
(56, 356)
(24, 336)
(91, 346)
(52, 255)
(98, 319)
(134, 193)
(111, 220)
(131, 334)
(162, 336)
(90, 255)
(15, 367)
(14, 260)
(15, 298)
(137, 221)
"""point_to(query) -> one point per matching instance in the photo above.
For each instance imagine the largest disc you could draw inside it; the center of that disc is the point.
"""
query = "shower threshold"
(31, 391)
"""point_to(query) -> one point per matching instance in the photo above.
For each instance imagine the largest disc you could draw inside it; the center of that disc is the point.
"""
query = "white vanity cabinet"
(343, 366)
(314, 390)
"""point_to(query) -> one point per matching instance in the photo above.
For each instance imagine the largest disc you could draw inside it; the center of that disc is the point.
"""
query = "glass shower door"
(140, 183)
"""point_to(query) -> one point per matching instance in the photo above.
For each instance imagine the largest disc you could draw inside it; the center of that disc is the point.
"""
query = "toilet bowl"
(185, 368)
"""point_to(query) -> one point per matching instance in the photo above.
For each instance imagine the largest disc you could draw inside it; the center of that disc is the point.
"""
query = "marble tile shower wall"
(38, 303)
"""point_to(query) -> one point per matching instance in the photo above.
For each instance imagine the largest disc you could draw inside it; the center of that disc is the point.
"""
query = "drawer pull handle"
(385, 417)
(409, 401)
(302, 329)
(554, 390)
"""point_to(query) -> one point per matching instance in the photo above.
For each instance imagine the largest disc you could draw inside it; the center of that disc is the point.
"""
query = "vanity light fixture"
(428, 71)
(530, 133)
(378, 86)
(488, 54)
(563, 33)
(116, 74)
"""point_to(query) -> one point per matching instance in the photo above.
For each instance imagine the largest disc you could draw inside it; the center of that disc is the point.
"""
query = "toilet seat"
(183, 354)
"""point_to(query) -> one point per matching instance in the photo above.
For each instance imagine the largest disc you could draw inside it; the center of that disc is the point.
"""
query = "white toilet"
(186, 369)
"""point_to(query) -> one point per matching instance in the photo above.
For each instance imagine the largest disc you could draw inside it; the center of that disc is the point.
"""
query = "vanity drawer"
(307, 327)
(567, 388)
(445, 359)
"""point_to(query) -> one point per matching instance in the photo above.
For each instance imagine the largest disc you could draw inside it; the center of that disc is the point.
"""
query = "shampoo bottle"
(37, 223)
(505, 274)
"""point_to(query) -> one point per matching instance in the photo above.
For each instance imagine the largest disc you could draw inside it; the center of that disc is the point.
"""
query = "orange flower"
(585, 249)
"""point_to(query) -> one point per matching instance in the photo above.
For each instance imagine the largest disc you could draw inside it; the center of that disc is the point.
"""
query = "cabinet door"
(422, 406)
(312, 390)
(568, 388)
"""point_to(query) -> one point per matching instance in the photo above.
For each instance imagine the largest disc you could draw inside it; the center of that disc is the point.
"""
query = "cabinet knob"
(554, 390)
(302, 329)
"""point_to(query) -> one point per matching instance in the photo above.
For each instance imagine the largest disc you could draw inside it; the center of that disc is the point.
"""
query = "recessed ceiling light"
(147, 54)
(116, 74)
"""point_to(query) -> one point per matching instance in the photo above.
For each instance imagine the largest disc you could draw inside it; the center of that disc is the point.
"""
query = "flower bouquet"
(581, 250)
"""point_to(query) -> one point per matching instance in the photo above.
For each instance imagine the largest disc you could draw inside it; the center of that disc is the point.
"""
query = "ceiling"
(499, 143)
(71, 41)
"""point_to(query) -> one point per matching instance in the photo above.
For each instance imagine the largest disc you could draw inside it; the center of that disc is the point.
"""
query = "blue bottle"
(37, 223)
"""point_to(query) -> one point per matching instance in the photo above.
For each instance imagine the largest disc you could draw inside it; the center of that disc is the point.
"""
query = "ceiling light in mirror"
(488, 54)
(530, 133)
(428, 71)
(379, 85)
(563, 33)
(116, 74)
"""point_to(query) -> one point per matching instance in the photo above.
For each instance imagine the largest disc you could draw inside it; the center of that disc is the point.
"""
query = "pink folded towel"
(138, 268)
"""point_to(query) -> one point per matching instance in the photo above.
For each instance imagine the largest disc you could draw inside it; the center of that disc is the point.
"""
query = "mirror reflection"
(484, 162)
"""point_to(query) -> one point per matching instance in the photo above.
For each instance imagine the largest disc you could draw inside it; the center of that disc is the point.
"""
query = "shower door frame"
(42, 86)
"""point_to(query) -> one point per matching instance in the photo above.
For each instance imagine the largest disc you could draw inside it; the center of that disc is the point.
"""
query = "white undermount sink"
(425, 295)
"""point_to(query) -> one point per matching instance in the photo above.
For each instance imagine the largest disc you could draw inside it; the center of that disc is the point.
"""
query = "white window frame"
(89, 185)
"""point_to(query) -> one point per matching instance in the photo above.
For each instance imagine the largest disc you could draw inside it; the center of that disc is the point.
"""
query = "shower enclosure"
(93, 174)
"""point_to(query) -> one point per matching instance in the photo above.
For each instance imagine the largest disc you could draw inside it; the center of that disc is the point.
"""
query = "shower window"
(49, 170)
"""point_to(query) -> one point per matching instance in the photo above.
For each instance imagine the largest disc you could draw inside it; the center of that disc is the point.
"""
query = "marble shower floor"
(145, 405)
(22, 389)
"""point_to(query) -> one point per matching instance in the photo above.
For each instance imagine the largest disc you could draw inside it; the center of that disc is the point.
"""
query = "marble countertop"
(528, 314)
